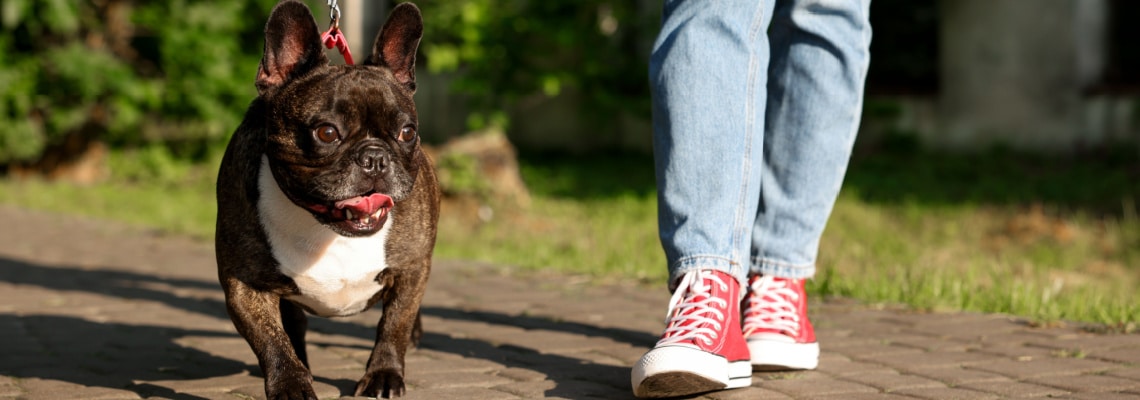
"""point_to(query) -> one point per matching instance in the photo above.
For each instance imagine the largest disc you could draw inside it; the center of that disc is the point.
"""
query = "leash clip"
(334, 14)
(333, 37)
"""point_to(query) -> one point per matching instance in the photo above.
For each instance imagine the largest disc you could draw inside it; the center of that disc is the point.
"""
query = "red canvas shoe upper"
(777, 306)
(702, 314)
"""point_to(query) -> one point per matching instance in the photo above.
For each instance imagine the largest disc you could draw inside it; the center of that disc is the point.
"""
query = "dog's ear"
(292, 46)
(396, 44)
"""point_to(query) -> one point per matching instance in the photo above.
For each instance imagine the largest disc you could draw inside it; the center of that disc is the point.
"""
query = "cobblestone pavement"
(95, 310)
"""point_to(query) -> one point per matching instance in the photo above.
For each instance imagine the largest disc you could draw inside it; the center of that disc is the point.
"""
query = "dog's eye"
(407, 133)
(326, 133)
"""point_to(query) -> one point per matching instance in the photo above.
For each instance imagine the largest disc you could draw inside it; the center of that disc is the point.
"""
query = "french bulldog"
(326, 203)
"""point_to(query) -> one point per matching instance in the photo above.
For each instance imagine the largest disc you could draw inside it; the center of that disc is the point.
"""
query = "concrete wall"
(1016, 73)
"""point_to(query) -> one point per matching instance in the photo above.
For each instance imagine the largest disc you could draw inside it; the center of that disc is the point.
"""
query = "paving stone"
(49, 389)
(938, 359)
(1040, 368)
(876, 350)
(199, 396)
(533, 389)
(553, 342)
(955, 376)
(1091, 383)
(941, 319)
(217, 384)
(111, 312)
(1016, 337)
(893, 381)
(628, 355)
(862, 396)
(455, 380)
(932, 344)
(255, 392)
(521, 374)
(326, 390)
(598, 357)
(348, 376)
(973, 330)
(947, 394)
(10, 389)
(811, 385)
(321, 359)
(748, 393)
(1132, 372)
(1129, 355)
(1017, 351)
(1016, 389)
(576, 389)
(1092, 341)
(435, 366)
(848, 367)
(1104, 396)
(832, 345)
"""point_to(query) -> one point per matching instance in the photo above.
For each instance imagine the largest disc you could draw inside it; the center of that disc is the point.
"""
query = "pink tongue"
(365, 205)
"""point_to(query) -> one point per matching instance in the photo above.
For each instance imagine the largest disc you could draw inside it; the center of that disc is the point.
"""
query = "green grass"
(147, 188)
(1048, 239)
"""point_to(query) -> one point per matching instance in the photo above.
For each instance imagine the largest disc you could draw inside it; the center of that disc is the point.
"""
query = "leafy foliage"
(179, 72)
(123, 71)
(503, 51)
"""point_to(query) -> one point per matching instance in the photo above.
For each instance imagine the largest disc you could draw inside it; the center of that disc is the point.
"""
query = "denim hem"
(706, 262)
(781, 269)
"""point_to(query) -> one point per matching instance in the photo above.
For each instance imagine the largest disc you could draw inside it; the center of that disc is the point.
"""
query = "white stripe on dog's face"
(336, 274)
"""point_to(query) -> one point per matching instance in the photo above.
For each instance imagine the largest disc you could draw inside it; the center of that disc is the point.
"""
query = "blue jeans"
(755, 109)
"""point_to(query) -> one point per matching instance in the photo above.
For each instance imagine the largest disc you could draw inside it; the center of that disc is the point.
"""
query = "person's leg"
(708, 73)
(820, 55)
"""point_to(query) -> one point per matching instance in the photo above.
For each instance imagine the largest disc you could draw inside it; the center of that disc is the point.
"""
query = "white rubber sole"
(769, 355)
(673, 371)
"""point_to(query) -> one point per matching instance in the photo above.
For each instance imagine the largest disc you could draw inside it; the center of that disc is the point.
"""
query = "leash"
(333, 37)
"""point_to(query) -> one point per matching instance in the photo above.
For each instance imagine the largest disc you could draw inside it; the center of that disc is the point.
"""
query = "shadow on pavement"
(631, 337)
(109, 355)
(117, 355)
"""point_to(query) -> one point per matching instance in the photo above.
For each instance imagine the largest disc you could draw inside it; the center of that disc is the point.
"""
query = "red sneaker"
(701, 349)
(776, 325)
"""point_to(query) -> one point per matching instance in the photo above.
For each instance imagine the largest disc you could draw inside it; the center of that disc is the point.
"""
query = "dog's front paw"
(381, 383)
(293, 386)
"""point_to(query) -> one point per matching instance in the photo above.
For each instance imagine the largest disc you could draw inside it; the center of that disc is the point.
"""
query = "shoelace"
(770, 306)
(693, 308)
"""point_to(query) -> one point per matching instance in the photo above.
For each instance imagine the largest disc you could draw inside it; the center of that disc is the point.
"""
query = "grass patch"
(1051, 240)
(604, 239)
(148, 187)
(982, 258)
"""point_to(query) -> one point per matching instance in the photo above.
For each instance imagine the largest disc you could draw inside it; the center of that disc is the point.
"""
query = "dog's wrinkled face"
(341, 140)
(348, 148)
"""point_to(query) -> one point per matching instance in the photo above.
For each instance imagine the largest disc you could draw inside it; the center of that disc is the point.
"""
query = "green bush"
(125, 72)
(180, 72)
(503, 50)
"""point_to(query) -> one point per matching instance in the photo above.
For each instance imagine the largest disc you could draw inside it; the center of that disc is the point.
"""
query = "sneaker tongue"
(365, 205)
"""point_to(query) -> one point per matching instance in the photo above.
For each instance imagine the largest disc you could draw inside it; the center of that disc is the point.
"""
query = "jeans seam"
(740, 229)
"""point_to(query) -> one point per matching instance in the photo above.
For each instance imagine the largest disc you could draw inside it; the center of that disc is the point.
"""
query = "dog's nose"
(372, 159)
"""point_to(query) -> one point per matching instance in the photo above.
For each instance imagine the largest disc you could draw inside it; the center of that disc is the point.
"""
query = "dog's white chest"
(335, 274)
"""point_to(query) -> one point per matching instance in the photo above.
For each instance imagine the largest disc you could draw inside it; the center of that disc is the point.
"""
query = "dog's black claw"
(382, 384)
